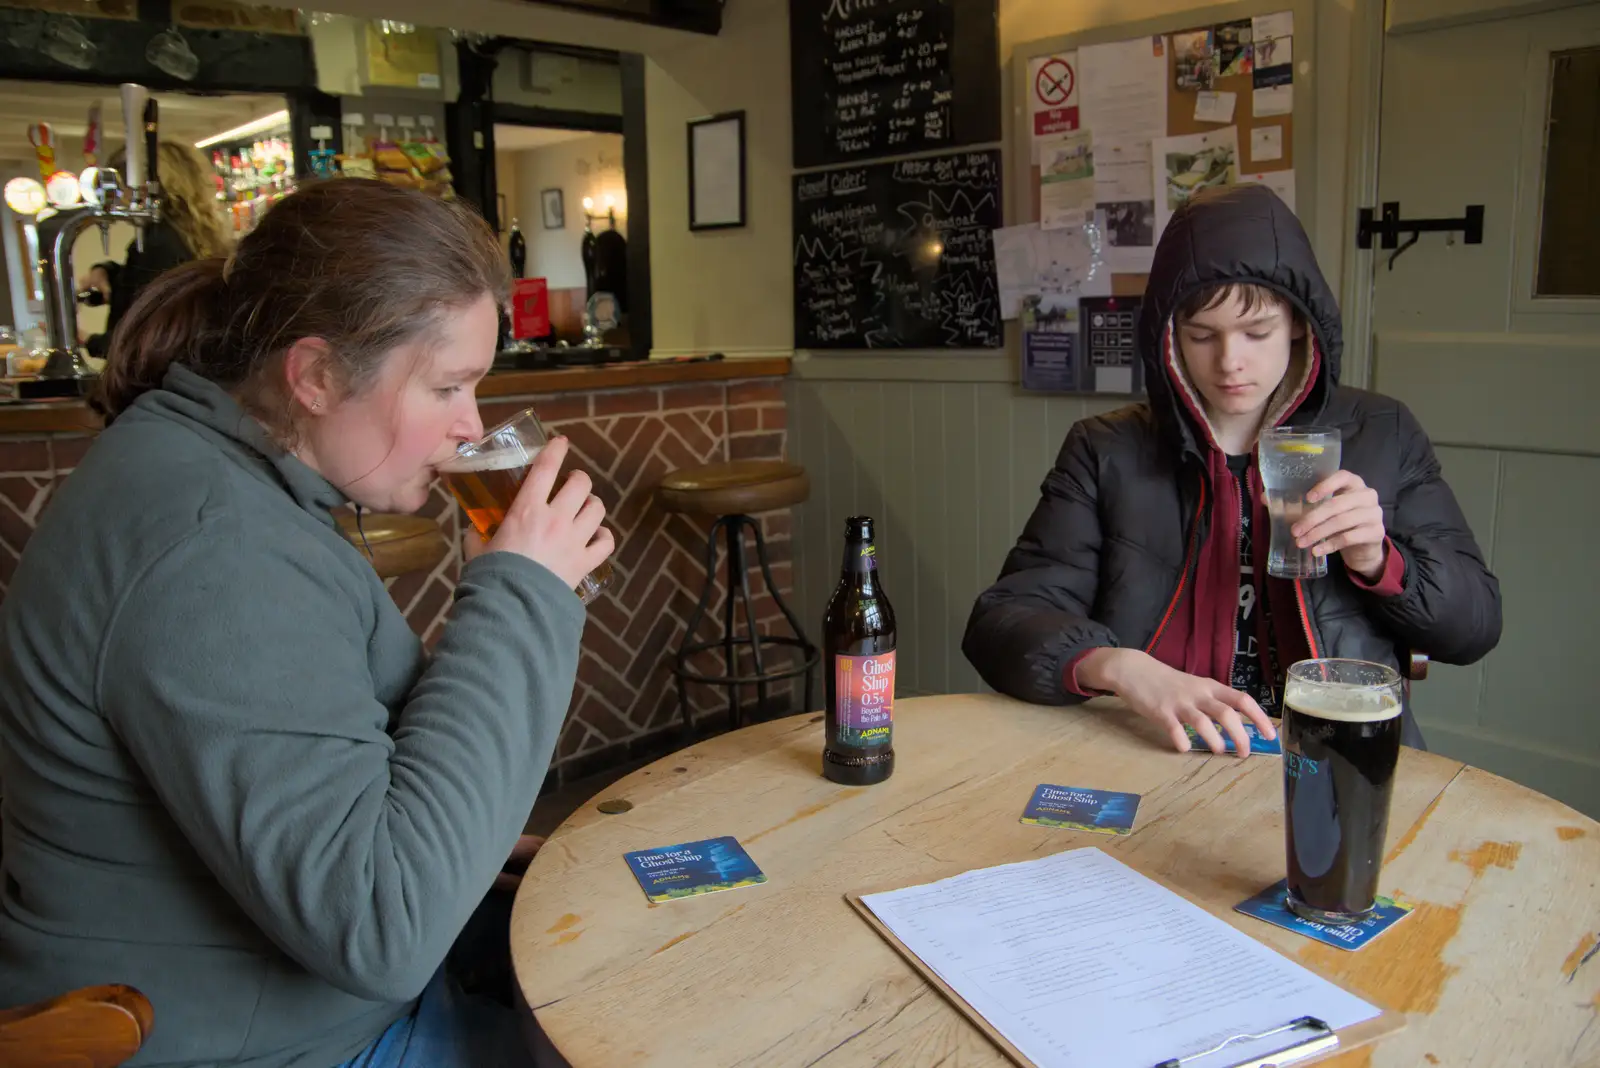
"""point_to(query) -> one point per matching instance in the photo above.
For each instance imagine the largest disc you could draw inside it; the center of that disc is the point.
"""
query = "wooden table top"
(1491, 967)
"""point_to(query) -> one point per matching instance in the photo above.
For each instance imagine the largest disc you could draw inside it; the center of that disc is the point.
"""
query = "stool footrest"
(807, 662)
(738, 580)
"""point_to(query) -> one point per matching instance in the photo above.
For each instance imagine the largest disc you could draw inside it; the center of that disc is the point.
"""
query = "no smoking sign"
(1054, 97)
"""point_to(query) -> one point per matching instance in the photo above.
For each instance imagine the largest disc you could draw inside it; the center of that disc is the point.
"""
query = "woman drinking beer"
(1143, 570)
(233, 779)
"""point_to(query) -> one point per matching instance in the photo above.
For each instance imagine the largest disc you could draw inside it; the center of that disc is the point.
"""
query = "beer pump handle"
(152, 153)
(134, 97)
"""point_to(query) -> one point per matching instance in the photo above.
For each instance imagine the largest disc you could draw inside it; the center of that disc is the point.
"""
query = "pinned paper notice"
(1212, 106)
(1280, 24)
(1266, 144)
(1277, 100)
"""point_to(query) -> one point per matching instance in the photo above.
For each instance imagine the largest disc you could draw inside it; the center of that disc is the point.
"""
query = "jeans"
(465, 1017)
(450, 1028)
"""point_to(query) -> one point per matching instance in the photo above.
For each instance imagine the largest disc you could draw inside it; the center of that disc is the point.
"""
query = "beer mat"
(1079, 809)
(1272, 906)
(693, 868)
(1258, 744)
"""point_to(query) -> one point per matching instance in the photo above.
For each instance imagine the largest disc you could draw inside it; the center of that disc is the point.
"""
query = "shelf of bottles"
(253, 175)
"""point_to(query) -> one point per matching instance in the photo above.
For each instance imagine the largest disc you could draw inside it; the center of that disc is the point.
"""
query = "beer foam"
(498, 460)
(1346, 704)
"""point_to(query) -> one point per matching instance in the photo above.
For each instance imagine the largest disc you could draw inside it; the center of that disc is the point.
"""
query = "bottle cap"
(858, 526)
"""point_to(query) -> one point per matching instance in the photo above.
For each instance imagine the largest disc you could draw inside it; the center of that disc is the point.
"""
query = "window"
(1569, 244)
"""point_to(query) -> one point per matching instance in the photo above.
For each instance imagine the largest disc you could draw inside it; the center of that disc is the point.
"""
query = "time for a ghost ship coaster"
(1272, 906)
(692, 868)
(1079, 809)
(1258, 744)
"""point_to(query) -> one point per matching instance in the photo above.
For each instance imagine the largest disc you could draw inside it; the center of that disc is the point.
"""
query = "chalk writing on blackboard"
(873, 77)
(898, 255)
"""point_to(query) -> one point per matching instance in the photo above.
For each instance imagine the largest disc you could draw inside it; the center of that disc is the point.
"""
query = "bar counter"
(629, 425)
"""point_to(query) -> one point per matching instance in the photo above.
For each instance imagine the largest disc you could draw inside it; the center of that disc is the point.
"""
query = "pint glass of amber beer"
(484, 478)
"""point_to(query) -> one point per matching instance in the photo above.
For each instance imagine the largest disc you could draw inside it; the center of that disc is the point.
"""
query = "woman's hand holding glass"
(560, 530)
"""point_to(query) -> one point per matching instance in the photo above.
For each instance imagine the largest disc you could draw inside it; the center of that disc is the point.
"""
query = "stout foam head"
(1342, 702)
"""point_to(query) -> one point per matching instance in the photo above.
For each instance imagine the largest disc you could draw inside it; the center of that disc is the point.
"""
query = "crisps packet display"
(431, 161)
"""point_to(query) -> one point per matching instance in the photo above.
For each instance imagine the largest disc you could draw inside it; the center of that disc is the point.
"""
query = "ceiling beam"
(692, 16)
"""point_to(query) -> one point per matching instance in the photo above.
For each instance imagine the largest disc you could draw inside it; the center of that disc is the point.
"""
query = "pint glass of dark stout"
(1341, 742)
(484, 478)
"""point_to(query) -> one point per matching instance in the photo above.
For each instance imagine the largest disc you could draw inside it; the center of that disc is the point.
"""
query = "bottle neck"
(860, 566)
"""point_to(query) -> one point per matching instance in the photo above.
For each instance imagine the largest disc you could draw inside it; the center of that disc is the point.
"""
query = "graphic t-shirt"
(1252, 669)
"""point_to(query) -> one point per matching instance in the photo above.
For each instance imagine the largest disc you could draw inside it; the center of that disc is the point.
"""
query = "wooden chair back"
(95, 1027)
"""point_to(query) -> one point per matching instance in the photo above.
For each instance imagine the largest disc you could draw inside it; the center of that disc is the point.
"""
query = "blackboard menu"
(873, 78)
(898, 255)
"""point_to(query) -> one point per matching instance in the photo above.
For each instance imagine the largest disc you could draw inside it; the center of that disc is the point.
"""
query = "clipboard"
(1306, 1039)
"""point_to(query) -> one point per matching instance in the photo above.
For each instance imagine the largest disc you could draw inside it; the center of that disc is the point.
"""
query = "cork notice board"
(1273, 134)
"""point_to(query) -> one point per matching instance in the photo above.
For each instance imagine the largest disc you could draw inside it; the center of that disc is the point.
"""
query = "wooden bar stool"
(396, 544)
(732, 492)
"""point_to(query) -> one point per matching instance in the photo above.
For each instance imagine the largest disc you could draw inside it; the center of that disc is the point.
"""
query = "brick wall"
(626, 440)
(29, 469)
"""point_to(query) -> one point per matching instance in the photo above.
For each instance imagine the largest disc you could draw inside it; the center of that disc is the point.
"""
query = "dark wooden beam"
(469, 128)
(692, 16)
(557, 118)
(636, 179)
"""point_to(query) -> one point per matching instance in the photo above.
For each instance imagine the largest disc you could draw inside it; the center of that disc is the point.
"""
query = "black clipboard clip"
(1321, 1039)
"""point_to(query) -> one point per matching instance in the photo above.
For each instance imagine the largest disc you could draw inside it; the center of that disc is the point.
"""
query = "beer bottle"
(858, 639)
(517, 250)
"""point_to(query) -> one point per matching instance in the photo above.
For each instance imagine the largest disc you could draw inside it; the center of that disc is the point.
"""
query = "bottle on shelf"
(517, 248)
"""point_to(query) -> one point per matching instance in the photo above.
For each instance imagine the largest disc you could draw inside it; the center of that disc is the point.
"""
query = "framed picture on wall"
(555, 211)
(716, 172)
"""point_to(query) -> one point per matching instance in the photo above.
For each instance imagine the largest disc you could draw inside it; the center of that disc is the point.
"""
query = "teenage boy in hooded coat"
(1142, 571)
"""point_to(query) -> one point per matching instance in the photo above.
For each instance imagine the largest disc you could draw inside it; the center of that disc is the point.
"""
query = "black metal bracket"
(1389, 226)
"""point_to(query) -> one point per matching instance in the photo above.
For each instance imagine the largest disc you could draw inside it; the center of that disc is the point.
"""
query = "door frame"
(1367, 36)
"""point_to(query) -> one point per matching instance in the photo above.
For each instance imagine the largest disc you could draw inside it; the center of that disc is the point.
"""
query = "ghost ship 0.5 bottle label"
(865, 689)
(858, 640)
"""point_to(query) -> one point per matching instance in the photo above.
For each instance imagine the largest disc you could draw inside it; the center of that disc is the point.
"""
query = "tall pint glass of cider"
(1293, 461)
(485, 476)
(1341, 743)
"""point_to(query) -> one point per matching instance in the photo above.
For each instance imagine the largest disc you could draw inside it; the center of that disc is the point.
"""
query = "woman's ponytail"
(174, 320)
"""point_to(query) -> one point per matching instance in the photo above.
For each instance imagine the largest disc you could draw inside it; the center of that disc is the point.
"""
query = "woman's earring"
(316, 405)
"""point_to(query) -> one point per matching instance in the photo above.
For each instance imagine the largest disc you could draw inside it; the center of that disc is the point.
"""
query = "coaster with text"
(693, 868)
(1079, 809)
(1271, 905)
(1258, 744)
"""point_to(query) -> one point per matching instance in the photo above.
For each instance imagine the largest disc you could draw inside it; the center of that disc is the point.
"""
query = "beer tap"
(104, 197)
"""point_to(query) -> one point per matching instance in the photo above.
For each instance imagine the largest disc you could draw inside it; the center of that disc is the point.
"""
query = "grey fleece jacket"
(231, 776)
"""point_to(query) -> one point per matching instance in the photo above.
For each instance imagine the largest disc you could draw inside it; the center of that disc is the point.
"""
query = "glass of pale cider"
(484, 478)
(1293, 461)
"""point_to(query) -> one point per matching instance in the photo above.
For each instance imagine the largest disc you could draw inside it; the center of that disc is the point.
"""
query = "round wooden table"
(1492, 968)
